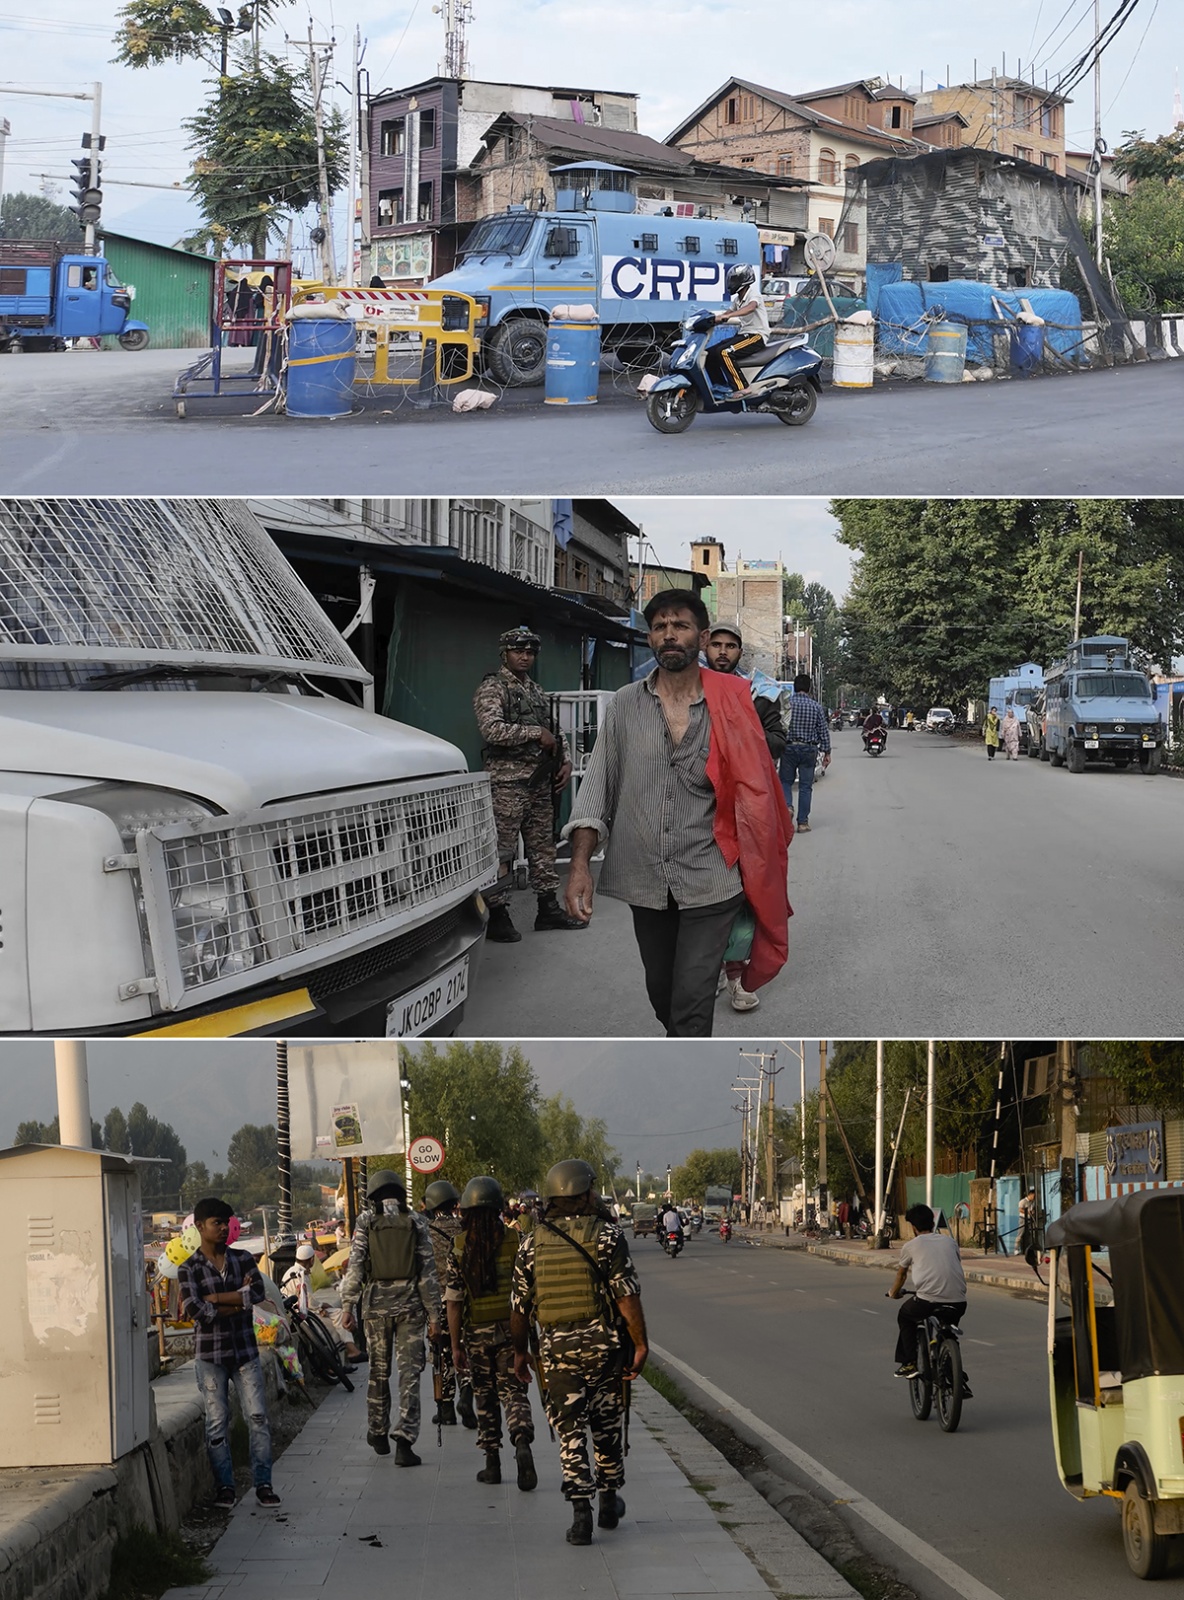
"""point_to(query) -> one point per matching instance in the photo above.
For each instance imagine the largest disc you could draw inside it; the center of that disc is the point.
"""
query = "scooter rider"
(872, 721)
(747, 310)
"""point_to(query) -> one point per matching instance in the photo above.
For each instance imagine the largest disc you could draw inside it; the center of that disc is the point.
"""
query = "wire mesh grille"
(156, 581)
(266, 892)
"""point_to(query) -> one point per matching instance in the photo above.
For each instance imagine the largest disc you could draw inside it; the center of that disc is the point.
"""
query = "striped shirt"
(652, 801)
(225, 1340)
(807, 723)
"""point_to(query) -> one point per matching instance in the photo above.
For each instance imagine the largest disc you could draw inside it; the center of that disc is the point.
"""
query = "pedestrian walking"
(1010, 734)
(1026, 1237)
(573, 1276)
(218, 1287)
(682, 793)
(478, 1276)
(392, 1272)
(440, 1200)
(991, 733)
(809, 736)
(529, 763)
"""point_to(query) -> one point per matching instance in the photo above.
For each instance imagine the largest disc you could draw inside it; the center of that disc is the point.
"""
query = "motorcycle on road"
(672, 1241)
(783, 380)
(875, 741)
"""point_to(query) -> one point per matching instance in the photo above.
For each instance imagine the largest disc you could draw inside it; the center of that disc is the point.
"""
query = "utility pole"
(368, 267)
(767, 1074)
(283, 1132)
(748, 1166)
(318, 67)
(73, 1093)
(1077, 610)
(1067, 1084)
(1099, 142)
(355, 121)
(823, 1203)
(930, 1080)
(879, 1214)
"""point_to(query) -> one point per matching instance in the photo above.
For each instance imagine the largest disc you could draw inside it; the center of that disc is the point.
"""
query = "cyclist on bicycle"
(938, 1285)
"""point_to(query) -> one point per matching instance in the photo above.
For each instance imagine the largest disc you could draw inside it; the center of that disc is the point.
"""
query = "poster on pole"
(345, 1099)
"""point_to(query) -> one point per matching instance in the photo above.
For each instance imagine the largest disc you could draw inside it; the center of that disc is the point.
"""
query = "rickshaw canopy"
(1144, 1235)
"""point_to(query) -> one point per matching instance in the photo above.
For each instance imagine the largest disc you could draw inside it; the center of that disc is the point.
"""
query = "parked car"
(938, 715)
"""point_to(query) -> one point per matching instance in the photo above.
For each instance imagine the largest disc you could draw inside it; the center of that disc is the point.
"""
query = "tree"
(197, 1184)
(1148, 1072)
(703, 1169)
(36, 216)
(148, 1137)
(115, 1134)
(254, 144)
(481, 1101)
(1144, 239)
(566, 1134)
(34, 1132)
(1139, 158)
(152, 32)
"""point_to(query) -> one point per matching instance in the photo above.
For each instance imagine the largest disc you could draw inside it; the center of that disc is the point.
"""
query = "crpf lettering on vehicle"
(661, 278)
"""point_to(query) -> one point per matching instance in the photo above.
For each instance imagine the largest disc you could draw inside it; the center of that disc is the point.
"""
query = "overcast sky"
(659, 1100)
(670, 52)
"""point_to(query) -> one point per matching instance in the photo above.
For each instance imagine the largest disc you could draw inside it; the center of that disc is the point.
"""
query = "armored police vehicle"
(641, 272)
(1097, 707)
(1015, 691)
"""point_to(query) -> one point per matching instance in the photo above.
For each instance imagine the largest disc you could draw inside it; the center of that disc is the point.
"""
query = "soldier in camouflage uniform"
(439, 1204)
(528, 762)
(579, 1305)
(477, 1279)
(392, 1270)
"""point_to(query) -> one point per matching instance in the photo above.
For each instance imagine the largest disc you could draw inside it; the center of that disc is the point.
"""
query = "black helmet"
(518, 638)
(568, 1179)
(482, 1192)
(440, 1193)
(740, 278)
(381, 1182)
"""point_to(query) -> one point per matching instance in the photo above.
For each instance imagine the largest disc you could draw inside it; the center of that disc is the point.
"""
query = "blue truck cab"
(49, 294)
(643, 273)
(1098, 707)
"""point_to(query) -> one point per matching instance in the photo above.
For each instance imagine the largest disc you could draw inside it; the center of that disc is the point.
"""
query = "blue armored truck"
(1015, 691)
(49, 295)
(1098, 707)
(642, 272)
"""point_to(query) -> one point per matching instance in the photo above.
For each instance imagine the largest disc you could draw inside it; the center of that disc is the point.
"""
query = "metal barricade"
(576, 713)
(259, 324)
(430, 333)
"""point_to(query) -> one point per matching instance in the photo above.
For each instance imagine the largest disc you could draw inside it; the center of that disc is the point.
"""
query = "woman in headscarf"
(1011, 735)
(991, 733)
(242, 304)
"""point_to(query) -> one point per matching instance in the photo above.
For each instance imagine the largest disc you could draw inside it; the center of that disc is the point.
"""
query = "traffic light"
(86, 191)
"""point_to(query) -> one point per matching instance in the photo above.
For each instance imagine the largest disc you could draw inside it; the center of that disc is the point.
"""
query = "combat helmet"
(482, 1192)
(517, 638)
(384, 1180)
(568, 1180)
(439, 1193)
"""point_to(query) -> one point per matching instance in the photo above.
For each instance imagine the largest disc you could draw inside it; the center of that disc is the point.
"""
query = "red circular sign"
(426, 1155)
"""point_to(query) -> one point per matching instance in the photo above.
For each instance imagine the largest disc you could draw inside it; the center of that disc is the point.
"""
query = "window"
(1023, 153)
(1048, 122)
(390, 208)
(423, 211)
(850, 162)
(827, 225)
(828, 167)
(785, 166)
(892, 116)
(1048, 160)
(851, 238)
(1018, 277)
(706, 558)
(427, 130)
(1023, 111)
(732, 112)
(392, 137)
(747, 161)
(939, 272)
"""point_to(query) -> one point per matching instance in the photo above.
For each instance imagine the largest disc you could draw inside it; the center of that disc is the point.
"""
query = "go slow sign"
(426, 1155)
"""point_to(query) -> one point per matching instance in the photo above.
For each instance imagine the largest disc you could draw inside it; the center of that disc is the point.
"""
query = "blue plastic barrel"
(1027, 348)
(573, 363)
(321, 364)
(945, 359)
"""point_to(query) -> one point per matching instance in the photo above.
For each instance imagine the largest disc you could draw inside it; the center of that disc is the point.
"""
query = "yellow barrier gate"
(443, 322)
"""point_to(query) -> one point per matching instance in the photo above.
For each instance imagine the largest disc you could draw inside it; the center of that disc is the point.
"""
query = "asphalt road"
(937, 895)
(104, 423)
(807, 1345)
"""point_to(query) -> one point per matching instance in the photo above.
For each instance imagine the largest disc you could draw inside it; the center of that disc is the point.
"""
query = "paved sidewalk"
(351, 1521)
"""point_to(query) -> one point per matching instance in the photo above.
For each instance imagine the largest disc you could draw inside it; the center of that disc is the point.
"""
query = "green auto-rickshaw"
(1116, 1363)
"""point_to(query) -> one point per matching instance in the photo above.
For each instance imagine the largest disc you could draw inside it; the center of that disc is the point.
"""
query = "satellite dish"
(819, 251)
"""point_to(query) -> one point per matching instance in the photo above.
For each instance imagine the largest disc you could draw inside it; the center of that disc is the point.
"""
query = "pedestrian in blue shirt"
(219, 1286)
(809, 733)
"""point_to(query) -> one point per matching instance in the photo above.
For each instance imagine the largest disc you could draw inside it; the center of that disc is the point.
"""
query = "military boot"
(612, 1509)
(580, 1531)
(445, 1414)
(379, 1443)
(464, 1405)
(527, 1476)
(405, 1456)
(501, 929)
(491, 1472)
(552, 915)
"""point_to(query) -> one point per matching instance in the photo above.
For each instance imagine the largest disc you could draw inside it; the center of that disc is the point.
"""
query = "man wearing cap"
(297, 1281)
(218, 1287)
(392, 1271)
(528, 762)
(724, 649)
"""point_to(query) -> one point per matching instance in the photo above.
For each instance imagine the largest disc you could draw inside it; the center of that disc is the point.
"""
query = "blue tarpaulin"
(901, 306)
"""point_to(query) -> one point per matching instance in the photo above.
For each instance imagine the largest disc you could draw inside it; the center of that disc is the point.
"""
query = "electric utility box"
(73, 1320)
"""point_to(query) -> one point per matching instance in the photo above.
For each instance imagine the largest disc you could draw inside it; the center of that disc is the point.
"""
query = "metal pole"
(283, 1133)
(73, 1093)
(364, 180)
(930, 1082)
(5, 130)
(96, 117)
(879, 1213)
(352, 225)
(1098, 143)
(1067, 1089)
(823, 1203)
(1077, 611)
(318, 70)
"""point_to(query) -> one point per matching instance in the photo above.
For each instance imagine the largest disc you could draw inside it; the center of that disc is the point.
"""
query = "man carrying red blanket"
(681, 786)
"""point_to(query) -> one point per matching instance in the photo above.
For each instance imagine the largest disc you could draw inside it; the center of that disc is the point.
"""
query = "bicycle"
(316, 1347)
(939, 1373)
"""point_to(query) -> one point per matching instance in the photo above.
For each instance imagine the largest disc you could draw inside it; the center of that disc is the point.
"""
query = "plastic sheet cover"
(901, 305)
